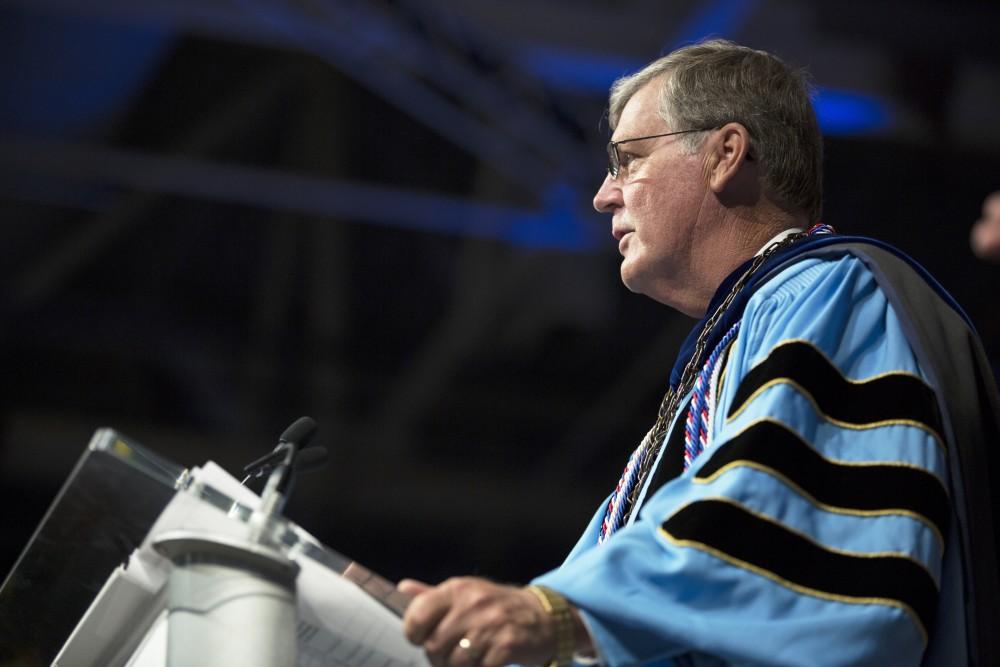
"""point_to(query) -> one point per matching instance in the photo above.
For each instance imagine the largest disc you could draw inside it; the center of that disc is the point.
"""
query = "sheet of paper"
(340, 624)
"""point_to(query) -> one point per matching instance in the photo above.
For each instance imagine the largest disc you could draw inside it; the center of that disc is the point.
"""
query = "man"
(813, 491)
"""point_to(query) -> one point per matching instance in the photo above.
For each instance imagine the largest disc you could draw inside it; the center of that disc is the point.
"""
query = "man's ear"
(727, 158)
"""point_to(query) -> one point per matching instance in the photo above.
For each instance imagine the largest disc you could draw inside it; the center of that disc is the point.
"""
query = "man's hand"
(470, 622)
(985, 237)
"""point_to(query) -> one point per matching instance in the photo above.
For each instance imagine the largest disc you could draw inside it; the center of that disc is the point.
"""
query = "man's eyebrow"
(631, 144)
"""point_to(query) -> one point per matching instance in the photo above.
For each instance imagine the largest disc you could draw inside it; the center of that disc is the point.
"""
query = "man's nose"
(608, 196)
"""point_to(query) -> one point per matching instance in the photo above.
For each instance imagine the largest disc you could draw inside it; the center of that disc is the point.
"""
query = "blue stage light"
(575, 71)
(844, 112)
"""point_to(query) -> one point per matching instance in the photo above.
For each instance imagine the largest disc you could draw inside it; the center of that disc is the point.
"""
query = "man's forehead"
(641, 114)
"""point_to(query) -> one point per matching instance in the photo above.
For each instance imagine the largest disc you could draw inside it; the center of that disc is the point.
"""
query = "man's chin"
(638, 282)
(630, 280)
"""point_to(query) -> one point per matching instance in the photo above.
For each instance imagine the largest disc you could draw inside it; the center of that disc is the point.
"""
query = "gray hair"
(715, 82)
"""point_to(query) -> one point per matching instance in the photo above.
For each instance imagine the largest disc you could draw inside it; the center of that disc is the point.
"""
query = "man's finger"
(425, 611)
(412, 587)
(442, 644)
(466, 652)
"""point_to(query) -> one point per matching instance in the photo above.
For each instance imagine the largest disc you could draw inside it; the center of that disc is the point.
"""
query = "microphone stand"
(231, 601)
(279, 484)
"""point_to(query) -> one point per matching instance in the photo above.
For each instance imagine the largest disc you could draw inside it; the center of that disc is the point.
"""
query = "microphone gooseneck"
(281, 463)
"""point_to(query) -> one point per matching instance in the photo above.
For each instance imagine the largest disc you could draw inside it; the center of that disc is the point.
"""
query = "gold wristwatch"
(557, 607)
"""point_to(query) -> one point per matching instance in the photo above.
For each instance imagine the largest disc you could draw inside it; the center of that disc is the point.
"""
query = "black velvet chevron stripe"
(874, 487)
(890, 397)
(792, 559)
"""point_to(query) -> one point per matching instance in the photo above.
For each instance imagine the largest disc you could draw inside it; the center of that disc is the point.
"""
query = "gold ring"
(465, 644)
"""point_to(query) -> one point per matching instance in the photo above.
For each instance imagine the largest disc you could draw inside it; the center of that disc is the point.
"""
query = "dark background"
(218, 216)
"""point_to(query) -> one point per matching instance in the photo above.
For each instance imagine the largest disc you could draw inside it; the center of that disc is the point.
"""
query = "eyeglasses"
(614, 161)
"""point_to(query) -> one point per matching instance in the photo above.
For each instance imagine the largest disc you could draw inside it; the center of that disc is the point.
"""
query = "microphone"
(311, 459)
(300, 433)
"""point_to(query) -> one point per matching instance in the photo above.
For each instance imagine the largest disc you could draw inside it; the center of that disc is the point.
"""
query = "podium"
(142, 562)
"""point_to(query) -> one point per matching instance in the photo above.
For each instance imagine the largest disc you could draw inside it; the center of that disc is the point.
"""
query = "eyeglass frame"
(614, 160)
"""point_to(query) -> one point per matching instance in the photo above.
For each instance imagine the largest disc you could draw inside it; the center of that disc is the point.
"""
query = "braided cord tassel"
(619, 499)
(699, 414)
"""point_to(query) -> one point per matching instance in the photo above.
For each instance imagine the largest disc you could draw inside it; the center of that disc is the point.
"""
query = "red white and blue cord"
(619, 499)
(699, 415)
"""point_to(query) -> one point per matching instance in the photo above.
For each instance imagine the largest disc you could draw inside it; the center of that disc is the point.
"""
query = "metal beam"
(433, 84)
(308, 195)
